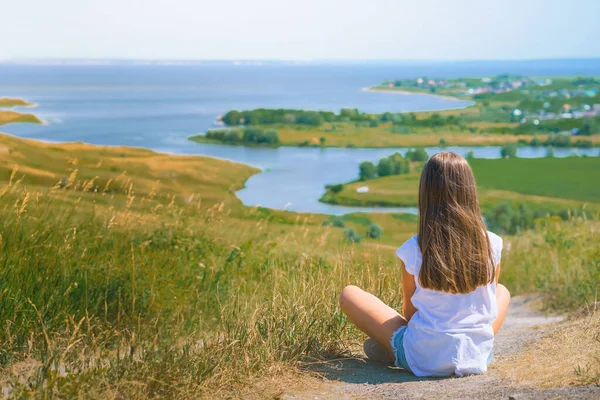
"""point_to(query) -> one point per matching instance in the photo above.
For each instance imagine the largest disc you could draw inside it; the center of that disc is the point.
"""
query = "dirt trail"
(361, 378)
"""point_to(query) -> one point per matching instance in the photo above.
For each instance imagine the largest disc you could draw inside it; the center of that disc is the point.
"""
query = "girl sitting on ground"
(453, 304)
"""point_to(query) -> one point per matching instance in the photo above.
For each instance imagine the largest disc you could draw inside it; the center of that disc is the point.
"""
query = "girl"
(453, 304)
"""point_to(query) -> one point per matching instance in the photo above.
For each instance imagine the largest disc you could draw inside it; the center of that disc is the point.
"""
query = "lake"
(158, 107)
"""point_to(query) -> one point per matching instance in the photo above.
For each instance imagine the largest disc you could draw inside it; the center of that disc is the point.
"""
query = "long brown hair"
(452, 236)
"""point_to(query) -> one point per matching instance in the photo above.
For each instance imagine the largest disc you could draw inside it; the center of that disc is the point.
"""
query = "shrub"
(558, 140)
(335, 188)
(374, 231)
(442, 142)
(351, 236)
(470, 155)
(535, 142)
(509, 151)
(510, 218)
(583, 143)
(339, 222)
(373, 123)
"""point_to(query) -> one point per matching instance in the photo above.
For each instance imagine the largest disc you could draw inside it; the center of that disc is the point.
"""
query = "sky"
(300, 29)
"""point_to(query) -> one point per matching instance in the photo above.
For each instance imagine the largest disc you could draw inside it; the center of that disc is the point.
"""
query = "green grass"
(553, 183)
(573, 178)
(147, 267)
(130, 274)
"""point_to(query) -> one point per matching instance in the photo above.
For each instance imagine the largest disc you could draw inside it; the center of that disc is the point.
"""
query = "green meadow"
(541, 182)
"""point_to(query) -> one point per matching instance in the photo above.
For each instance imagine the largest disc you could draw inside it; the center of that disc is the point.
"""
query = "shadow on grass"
(363, 371)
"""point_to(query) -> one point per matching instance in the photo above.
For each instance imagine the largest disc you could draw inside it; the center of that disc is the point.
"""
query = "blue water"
(158, 107)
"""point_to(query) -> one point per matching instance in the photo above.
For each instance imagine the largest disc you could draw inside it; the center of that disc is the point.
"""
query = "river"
(158, 107)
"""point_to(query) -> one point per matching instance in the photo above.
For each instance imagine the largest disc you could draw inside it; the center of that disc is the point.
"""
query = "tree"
(335, 188)
(509, 151)
(271, 136)
(417, 155)
(385, 167)
(535, 142)
(367, 170)
(322, 140)
(586, 129)
(374, 231)
(470, 155)
(399, 164)
(442, 142)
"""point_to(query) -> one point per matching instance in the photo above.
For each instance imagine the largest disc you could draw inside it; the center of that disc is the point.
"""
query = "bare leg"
(371, 315)
(503, 300)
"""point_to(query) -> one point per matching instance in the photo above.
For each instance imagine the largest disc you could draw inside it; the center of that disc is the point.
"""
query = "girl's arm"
(497, 273)
(408, 289)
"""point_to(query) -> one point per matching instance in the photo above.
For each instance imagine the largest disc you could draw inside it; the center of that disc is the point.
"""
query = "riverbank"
(380, 89)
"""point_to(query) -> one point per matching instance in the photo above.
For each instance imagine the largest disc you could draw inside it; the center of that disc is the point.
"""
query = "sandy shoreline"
(406, 92)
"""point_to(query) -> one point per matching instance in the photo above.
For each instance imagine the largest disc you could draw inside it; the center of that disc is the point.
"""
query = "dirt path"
(360, 378)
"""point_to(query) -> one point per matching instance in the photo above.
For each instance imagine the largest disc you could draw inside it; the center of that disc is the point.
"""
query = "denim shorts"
(397, 343)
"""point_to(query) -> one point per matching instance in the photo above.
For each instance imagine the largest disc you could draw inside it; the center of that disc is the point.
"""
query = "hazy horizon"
(317, 30)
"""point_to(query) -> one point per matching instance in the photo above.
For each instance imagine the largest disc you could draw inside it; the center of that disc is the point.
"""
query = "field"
(349, 135)
(540, 182)
(130, 274)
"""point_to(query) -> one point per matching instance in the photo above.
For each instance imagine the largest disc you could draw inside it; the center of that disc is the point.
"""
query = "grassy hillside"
(540, 182)
(130, 274)
(148, 268)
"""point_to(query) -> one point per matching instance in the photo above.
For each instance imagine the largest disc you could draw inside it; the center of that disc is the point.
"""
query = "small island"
(560, 112)
(11, 117)
(14, 102)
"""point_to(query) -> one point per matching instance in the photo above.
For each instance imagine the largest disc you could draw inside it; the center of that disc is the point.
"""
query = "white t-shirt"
(449, 333)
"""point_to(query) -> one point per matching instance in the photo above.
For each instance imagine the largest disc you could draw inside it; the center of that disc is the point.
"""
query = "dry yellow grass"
(14, 102)
(570, 355)
(7, 117)
(350, 135)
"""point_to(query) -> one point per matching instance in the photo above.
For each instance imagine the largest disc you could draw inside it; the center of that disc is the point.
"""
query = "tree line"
(263, 116)
(249, 135)
(396, 164)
